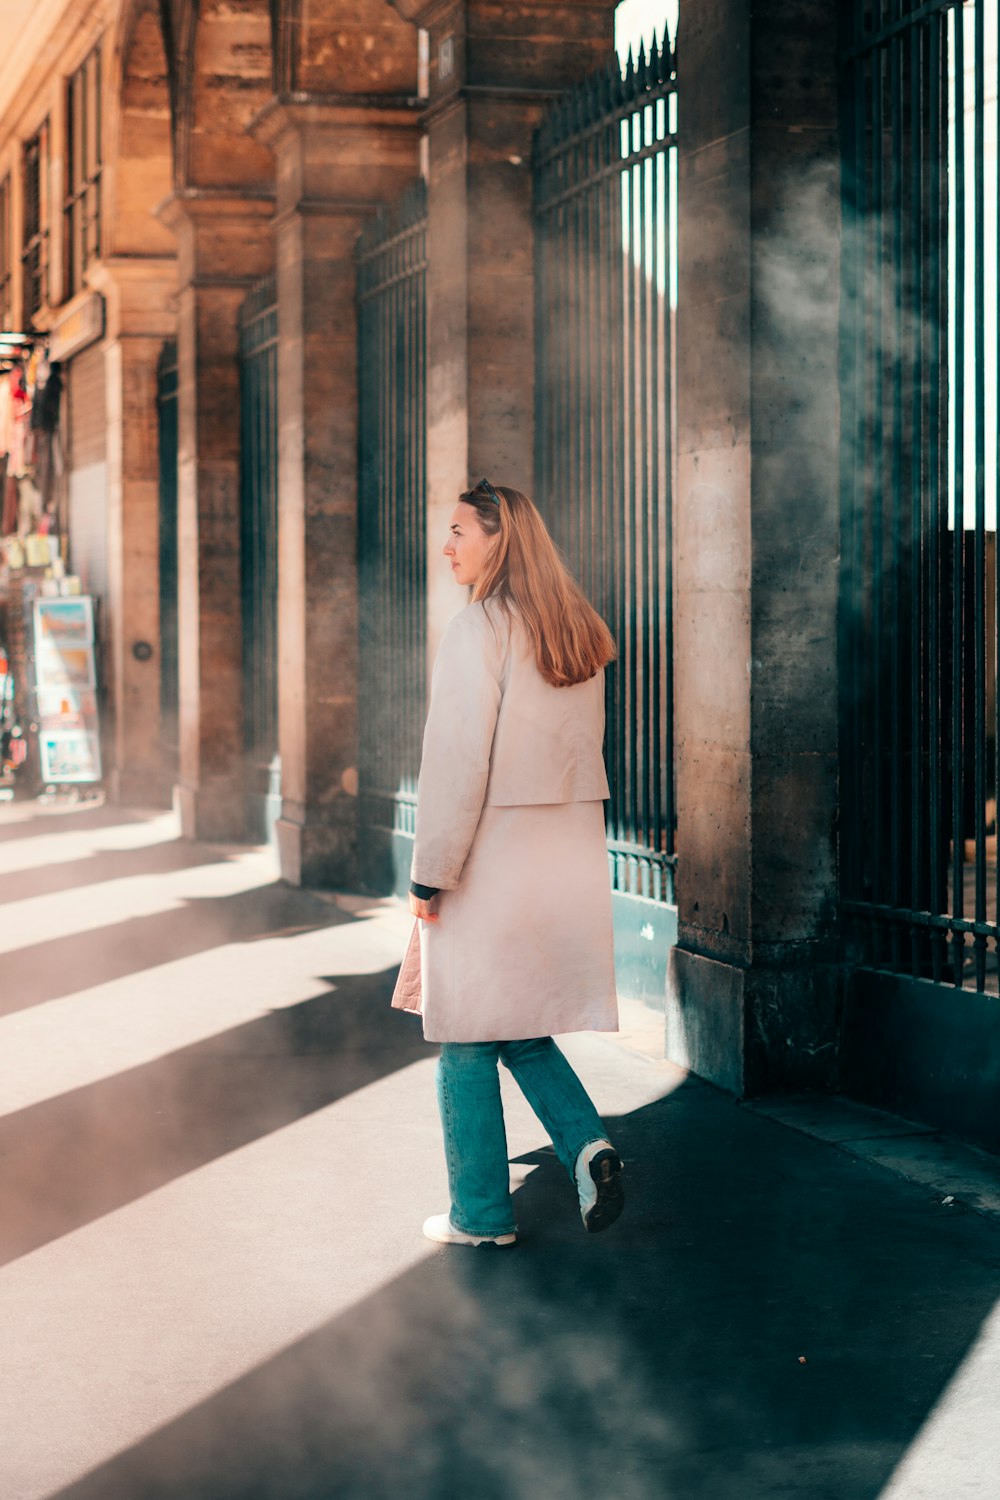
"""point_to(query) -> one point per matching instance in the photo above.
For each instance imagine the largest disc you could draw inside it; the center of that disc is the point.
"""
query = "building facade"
(729, 313)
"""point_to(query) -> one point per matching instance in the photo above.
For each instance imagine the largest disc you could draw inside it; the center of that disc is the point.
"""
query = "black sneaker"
(599, 1184)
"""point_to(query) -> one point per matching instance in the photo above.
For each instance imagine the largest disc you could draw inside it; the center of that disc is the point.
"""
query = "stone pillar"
(335, 164)
(753, 989)
(139, 297)
(493, 71)
(224, 245)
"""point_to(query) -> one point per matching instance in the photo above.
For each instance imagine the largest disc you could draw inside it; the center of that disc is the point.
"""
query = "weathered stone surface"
(229, 81)
(224, 245)
(363, 48)
(139, 316)
(137, 175)
(757, 548)
(753, 1029)
(334, 166)
(480, 287)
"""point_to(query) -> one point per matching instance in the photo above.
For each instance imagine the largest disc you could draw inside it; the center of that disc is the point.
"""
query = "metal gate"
(920, 605)
(392, 553)
(166, 409)
(605, 217)
(259, 554)
(920, 601)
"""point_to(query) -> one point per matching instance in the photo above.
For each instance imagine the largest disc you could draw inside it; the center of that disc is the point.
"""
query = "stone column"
(139, 298)
(335, 164)
(224, 245)
(493, 71)
(753, 987)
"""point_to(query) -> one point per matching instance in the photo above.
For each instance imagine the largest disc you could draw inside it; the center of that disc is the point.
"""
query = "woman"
(509, 878)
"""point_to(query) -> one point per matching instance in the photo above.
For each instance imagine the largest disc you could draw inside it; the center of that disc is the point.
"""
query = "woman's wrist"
(423, 892)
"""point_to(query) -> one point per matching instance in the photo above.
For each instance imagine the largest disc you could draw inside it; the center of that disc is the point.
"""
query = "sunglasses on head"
(485, 488)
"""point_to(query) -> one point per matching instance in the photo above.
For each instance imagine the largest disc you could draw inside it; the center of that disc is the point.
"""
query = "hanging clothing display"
(30, 452)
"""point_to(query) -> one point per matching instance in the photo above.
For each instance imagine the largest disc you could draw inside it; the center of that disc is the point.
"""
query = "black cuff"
(423, 892)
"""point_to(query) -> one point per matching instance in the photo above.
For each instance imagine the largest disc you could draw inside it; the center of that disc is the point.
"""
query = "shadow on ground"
(108, 864)
(20, 824)
(771, 1320)
(660, 1361)
(40, 972)
(68, 1160)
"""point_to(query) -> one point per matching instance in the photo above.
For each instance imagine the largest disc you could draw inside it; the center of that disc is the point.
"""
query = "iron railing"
(392, 550)
(919, 500)
(605, 216)
(259, 549)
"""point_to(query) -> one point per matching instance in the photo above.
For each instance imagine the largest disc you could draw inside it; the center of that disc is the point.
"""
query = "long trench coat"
(510, 829)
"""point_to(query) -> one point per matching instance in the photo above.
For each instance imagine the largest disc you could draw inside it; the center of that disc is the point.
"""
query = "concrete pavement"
(216, 1148)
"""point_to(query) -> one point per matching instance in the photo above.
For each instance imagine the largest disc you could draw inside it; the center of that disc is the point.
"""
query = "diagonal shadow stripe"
(71, 1159)
(84, 821)
(62, 966)
(658, 1360)
(110, 864)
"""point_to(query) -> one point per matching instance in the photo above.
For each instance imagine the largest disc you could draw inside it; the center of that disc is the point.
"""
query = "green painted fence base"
(645, 932)
(924, 1050)
(263, 802)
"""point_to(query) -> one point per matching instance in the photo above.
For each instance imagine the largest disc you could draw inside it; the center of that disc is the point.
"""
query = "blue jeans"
(475, 1141)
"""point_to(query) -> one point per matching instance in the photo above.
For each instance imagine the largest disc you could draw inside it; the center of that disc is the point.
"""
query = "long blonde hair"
(570, 640)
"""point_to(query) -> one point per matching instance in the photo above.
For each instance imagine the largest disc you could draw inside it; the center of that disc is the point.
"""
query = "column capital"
(139, 293)
(285, 117)
(418, 11)
(220, 235)
(341, 153)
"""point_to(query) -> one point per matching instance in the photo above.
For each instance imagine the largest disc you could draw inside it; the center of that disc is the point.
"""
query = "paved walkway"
(216, 1148)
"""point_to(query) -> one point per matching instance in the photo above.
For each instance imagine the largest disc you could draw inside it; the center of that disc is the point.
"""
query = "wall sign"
(82, 325)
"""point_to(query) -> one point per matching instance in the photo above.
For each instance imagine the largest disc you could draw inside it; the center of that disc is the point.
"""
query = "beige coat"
(510, 828)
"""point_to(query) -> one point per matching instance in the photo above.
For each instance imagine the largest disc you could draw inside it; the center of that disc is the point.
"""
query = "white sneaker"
(442, 1231)
(599, 1184)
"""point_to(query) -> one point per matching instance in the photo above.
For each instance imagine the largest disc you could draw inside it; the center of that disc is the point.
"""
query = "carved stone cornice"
(284, 114)
(219, 234)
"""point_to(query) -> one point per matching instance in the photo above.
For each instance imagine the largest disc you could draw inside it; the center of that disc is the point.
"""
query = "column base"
(757, 1030)
(215, 813)
(318, 851)
(132, 787)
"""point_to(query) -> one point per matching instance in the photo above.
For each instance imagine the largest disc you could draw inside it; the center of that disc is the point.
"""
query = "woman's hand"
(423, 909)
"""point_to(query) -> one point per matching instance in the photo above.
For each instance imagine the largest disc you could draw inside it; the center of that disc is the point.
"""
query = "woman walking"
(513, 940)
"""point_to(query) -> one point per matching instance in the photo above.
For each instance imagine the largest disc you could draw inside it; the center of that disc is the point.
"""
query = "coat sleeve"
(458, 738)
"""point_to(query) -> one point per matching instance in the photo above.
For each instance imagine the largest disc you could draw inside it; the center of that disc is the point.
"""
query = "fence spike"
(612, 78)
(594, 102)
(656, 55)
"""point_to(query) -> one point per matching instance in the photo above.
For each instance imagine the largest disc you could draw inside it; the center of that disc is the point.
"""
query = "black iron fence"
(605, 276)
(919, 503)
(259, 551)
(392, 549)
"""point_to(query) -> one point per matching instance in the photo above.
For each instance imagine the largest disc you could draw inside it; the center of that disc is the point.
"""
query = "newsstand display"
(49, 722)
(65, 683)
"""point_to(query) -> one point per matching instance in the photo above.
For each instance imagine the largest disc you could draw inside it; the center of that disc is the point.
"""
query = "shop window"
(82, 209)
(35, 244)
(6, 311)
